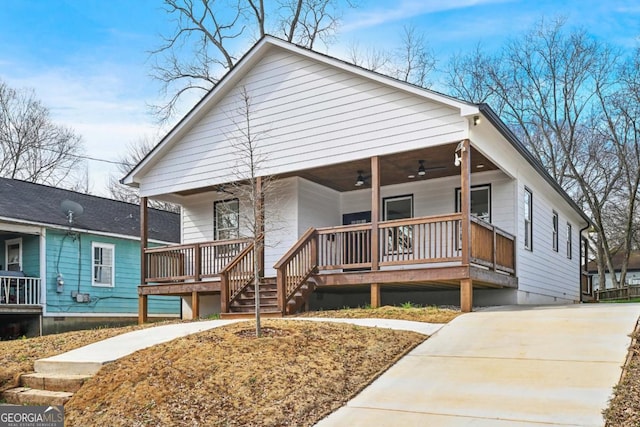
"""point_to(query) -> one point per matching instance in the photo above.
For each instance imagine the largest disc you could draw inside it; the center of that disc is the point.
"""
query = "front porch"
(456, 251)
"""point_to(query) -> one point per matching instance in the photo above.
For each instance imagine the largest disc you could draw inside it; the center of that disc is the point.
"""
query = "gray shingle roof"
(41, 204)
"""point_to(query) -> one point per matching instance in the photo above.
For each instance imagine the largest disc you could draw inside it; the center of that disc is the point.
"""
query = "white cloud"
(405, 9)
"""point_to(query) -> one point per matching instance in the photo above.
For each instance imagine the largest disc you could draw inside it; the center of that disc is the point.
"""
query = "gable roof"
(40, 204)
(246, 63)
(260, 49)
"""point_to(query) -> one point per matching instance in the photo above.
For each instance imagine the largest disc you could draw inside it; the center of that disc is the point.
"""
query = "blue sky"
(88, 59)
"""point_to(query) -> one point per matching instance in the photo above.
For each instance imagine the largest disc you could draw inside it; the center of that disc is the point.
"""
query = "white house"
(383, 187)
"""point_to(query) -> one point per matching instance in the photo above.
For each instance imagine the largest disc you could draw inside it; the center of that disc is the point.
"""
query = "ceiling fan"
(422, 170)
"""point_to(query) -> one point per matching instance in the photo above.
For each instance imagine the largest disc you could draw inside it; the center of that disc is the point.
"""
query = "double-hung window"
(554, 236)
(103, 255)
(226, 219)
(528, 219)
(569, 238)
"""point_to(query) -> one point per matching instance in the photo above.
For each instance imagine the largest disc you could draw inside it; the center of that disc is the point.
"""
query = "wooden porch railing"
(420, 240)
(492, 247)
(176, 263)
(295, 267)
(236, 276)
(15, 290)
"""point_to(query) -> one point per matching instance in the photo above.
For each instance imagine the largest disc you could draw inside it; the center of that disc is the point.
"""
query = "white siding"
(318, 206)
(438, 197)
(307, 114)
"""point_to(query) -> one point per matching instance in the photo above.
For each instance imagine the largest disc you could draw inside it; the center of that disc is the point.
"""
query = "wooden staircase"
(299, 300)
(244, 305)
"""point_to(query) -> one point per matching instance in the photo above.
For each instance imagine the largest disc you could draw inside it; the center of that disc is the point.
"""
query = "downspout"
(582, 230)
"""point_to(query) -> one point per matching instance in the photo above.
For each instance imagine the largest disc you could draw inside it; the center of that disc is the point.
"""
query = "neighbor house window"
(528, 219)
(13, 254)
(569, 237)
(103, 264)
(398, 239)
(480, 202)
(554, 237)
(226, 221)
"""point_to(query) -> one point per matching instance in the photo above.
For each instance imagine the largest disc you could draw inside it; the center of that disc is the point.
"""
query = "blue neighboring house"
(70, 260)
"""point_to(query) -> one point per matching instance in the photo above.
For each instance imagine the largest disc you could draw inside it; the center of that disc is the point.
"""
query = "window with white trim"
(554, 236)
(528, 219)
(103, 262)
(569, 237)
(226, 219)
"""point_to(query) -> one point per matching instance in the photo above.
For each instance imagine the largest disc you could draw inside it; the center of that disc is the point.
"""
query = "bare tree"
(413, 60)
(32, 147)
(126, 162)
(568, 100)
(209, 34)
(250, 187)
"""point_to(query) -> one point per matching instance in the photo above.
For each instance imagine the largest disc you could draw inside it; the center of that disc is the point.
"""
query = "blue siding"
(30, 253)
(72, 257)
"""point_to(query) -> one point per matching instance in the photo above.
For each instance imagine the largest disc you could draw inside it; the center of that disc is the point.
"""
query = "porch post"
(142, 309)
(144, 237)
(466, 286)
(375, 232)
(195, 305)
(466, 295)
(375, 212)
(375, 295)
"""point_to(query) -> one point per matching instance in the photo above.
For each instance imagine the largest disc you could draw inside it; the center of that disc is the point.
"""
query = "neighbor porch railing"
(193, 262)
(626, 292)
(19, 290)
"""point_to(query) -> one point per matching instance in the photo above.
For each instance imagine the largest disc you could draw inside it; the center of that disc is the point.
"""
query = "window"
(13, 254)
(528, 219)
(569, 237)
(398, 239)
(480, 202)
(554, 237)
(226, 221)
(103, 264)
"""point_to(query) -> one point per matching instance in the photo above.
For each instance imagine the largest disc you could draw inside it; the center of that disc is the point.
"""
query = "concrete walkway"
(509, 366)
(89, 359)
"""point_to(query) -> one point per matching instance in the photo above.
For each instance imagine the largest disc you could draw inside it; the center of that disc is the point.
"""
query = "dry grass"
(624, 408)
(17, 356)
(295, 375)
(430, 314)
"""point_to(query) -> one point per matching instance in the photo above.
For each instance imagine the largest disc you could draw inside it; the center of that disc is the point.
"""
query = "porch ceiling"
(394, 168)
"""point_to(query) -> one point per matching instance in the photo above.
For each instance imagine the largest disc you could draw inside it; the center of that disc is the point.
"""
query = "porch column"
(466, 285)
(142, 309)
(375, 295)
(144, 237)
(195, 305)
(466, 295)
(375, 233)
(375, 212)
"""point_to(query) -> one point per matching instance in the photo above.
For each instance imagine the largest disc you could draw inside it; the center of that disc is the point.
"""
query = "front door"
(356, 246)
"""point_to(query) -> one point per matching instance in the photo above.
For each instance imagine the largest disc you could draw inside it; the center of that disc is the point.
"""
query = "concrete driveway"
(508, 366)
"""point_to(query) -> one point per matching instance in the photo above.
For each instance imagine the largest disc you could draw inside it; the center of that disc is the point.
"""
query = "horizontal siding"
(307, 114)
(318, 206)
(72, 258)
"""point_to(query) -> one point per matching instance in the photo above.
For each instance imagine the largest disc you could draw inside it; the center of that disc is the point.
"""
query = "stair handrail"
(234, 278)
(296, 266)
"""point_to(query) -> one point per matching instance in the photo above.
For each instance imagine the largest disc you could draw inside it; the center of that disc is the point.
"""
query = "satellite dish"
(71, 209)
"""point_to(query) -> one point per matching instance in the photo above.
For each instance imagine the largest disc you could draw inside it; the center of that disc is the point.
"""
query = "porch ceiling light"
(421, 169)
(359, 180)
